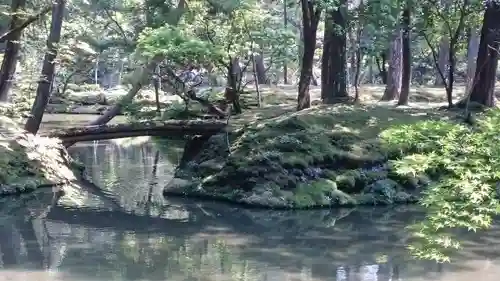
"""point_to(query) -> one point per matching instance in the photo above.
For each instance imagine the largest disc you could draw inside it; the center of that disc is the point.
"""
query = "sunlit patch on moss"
(28, 161)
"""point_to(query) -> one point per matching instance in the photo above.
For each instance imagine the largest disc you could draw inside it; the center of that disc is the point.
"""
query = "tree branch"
(435, 58)
(23, 25)
(120, 28)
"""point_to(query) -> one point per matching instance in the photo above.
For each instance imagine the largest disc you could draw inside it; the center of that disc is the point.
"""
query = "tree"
(311, 13)
(11, 50)
(406, 75)
(487, 58)
(47, 76)
(472, 49)
(393, 87)
(443, 46)
(453, 29)
(333, 72)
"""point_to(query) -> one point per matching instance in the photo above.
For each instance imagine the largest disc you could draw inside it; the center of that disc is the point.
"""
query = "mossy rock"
(323, 156)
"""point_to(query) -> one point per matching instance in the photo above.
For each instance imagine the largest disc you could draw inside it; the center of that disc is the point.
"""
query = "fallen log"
(150, 128)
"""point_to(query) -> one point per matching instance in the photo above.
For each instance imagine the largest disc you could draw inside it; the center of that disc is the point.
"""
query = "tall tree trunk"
(234, 76)
(333, 77)
(141, 75)
(353, 48)
(472, 50)
(382, 71)
(256, 80)
(47, 75)
(11, 52)
(406, 74)
(157, 86)
(444, 50)
(285, 22)
(260, 69)
(487, 57)
(310, 20)
(393, 87)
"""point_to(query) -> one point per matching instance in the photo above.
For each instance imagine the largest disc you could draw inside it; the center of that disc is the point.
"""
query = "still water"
(125, 230)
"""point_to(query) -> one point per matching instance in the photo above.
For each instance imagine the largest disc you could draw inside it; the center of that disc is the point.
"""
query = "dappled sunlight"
(29, 161)
(125, 142)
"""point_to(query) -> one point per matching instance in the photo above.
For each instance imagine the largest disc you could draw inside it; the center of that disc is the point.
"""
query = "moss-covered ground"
(336, 155)
(28, 162)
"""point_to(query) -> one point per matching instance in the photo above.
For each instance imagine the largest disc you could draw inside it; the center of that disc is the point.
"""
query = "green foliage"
(178, 46)
(465, 165)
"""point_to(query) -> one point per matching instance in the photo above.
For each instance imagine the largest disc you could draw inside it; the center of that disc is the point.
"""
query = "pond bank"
(326, 156)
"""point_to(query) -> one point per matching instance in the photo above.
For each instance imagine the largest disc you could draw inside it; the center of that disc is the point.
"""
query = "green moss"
(29, 161)
(323, 156)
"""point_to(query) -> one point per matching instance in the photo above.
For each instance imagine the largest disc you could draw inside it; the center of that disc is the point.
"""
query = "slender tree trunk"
(444, 50)
(334, 84)
(393, 88)
(260, 69)
(142, 76)
(310, 20)
(11, 52)
(353, 48)
(472, 49)
(381, 67)
(370, 71)
(47, 75)
(487, 57)
(234, 80)
(406, 74)
(157, 85)
(285, 22)
(256, 80)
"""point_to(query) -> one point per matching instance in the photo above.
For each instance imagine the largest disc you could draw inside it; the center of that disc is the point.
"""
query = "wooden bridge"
(149, 128)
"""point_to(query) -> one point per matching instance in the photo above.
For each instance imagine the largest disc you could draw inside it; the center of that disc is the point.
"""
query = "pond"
(122, 228)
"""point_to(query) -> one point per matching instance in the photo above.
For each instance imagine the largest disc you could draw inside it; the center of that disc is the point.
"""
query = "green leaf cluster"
(177, 46)
(464, 163)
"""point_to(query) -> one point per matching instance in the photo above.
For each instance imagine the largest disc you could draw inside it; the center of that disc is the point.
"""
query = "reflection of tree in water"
(134, 175)
(215, 243)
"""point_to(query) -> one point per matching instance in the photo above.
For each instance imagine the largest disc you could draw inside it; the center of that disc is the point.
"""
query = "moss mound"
(28, 162)
(324, 156)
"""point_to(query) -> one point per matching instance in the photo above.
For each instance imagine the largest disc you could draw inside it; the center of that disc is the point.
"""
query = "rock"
(76, 109)
(206, 92)
(214, 148)
(87, 98)
(179, 184)
(57, 100)
(212, 165)
(265, 198)
(419, 181)
(385, 187)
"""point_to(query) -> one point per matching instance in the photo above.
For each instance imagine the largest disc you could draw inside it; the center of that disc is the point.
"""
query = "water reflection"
(109, 236)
